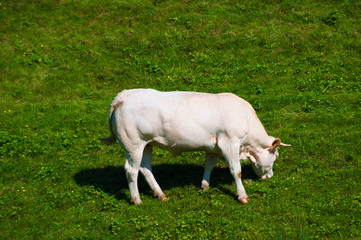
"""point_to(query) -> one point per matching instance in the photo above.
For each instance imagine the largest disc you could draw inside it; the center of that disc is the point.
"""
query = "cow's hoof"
(205, 185)
(163, 198)
(136, 201)
(244, 200)
(205, 188)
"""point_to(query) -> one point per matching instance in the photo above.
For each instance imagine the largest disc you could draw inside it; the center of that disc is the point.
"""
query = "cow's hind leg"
(132, 165)
(209, 165)
(146, 170)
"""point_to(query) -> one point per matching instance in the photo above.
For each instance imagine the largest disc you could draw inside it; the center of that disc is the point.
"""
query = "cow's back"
(182, 107)
(184, 101)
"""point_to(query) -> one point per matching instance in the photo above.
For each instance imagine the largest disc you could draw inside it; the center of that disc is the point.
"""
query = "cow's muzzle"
(268, 175)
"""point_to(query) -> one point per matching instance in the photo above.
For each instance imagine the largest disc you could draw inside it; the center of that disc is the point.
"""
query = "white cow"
(222, 125)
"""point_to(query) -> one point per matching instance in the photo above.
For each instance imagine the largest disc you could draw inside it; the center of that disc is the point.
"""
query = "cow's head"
(262, 158)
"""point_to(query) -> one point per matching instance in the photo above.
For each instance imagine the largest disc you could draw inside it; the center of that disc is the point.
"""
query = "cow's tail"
(112, 138)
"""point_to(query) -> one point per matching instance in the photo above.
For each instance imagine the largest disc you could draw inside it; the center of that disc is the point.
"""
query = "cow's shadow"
(112, 180)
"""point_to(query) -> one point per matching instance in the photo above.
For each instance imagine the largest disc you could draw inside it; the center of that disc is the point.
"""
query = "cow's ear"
(276, 143)
(244, 154)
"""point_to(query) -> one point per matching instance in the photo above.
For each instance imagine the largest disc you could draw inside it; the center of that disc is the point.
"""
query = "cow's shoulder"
(233, 99)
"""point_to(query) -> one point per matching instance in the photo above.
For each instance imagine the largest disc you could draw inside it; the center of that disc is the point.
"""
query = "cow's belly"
(178, 133)
(178, 144)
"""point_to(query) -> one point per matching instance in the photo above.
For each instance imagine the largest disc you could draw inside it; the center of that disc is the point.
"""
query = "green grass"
(62, 63)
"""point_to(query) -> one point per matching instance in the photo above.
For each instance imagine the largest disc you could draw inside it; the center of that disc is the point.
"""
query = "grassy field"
(62, 63)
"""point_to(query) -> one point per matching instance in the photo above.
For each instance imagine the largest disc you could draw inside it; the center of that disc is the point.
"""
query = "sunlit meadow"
(62, 63)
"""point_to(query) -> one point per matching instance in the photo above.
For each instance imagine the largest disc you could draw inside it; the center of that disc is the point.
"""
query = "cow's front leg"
(209, 165)
(236, 171)
(231, 155)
